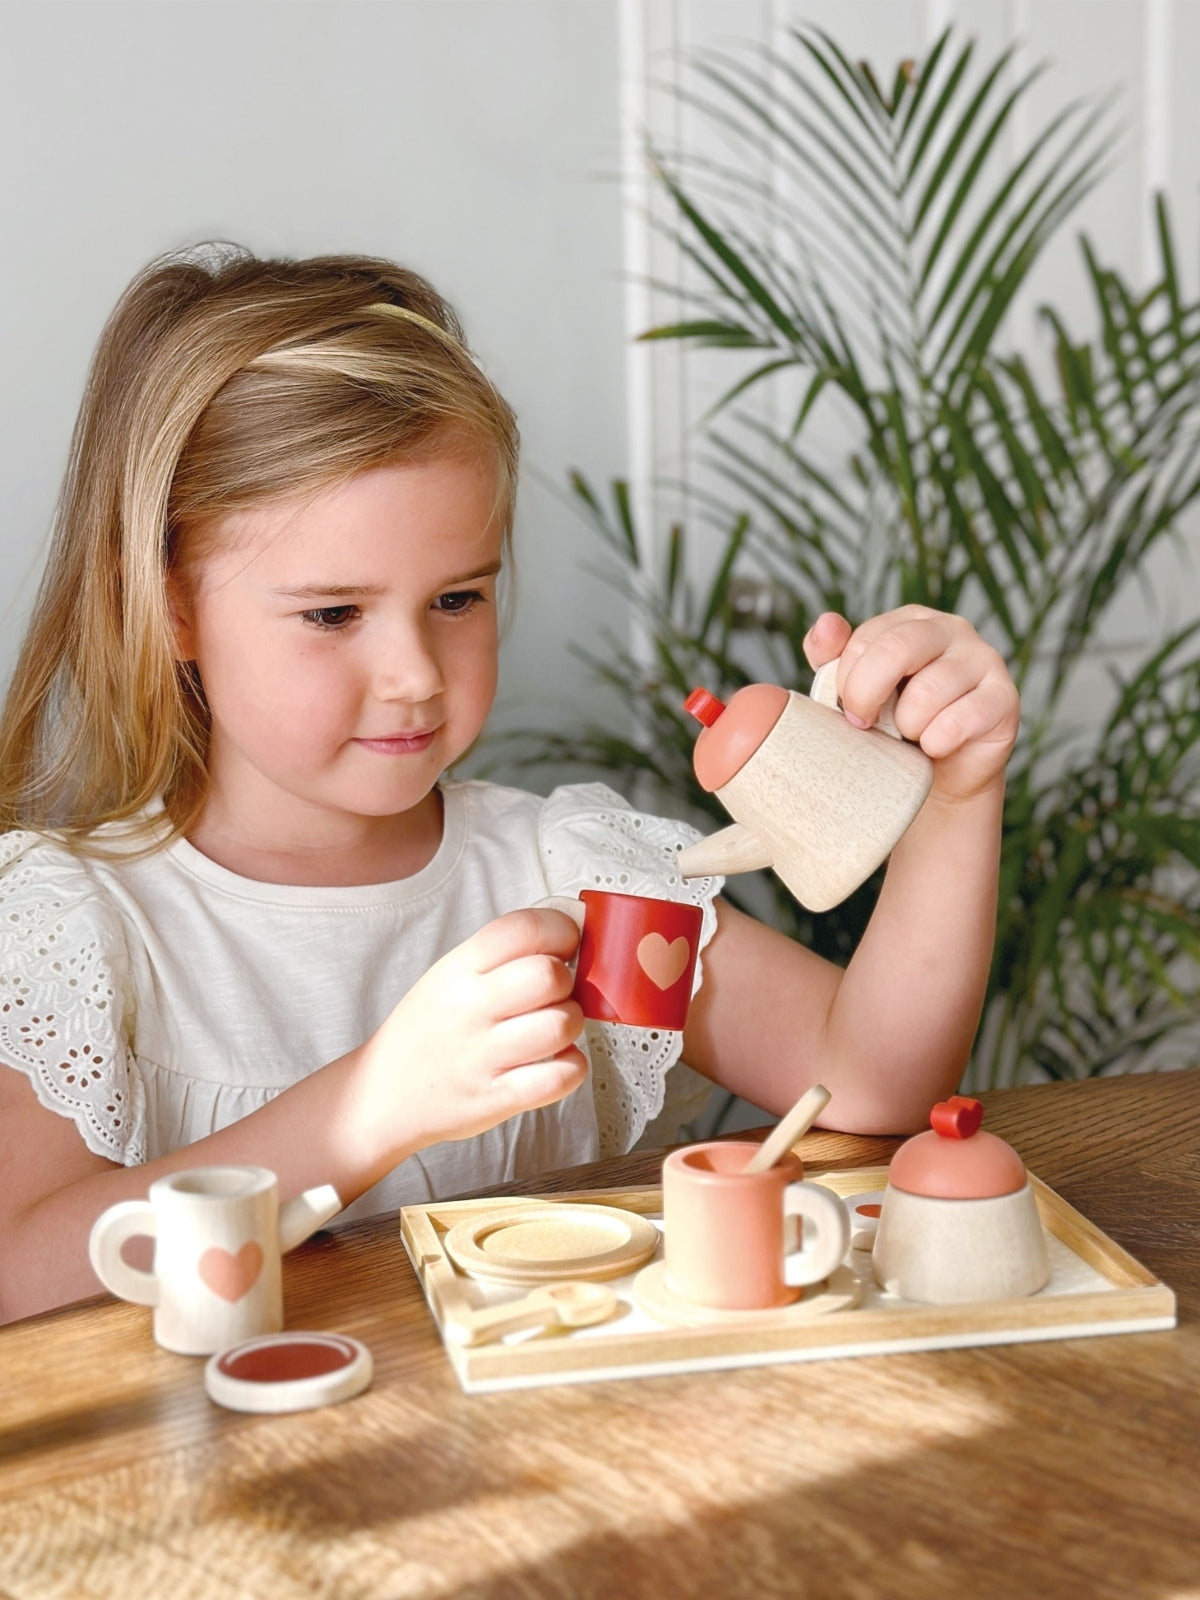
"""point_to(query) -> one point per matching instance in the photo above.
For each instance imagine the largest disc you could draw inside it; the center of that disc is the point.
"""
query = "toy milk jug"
(219, 1233)
(818, 800)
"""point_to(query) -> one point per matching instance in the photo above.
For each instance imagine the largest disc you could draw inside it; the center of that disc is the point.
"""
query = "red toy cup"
(637, 959)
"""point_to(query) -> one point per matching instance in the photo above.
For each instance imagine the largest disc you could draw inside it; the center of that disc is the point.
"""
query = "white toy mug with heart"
(219, 1234)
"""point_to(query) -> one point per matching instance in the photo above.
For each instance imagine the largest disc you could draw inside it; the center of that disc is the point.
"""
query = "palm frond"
(870, 281)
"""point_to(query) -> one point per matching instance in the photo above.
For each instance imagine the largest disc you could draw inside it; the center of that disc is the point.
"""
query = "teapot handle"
(824, 692)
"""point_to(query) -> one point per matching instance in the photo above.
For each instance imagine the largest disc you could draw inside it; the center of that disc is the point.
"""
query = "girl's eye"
(458, 601)
(330, 617)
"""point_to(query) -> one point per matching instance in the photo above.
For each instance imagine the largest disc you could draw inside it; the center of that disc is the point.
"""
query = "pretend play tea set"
(738, 1259)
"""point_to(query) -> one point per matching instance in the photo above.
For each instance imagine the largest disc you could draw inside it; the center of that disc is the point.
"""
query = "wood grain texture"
(1057, 1470)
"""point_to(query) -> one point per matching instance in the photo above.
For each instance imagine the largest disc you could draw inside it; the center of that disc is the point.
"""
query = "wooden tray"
(1095, 1288)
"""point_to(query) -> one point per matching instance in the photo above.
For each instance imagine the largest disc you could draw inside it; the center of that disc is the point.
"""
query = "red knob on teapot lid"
(704, 706)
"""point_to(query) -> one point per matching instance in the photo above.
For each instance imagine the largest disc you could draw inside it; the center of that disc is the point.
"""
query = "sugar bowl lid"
(955, 1159)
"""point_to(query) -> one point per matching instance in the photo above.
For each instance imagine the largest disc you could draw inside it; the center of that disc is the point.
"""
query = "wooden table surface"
(1068, 1469)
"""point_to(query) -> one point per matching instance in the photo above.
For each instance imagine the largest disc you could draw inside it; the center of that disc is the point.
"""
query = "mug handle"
(571, 907)
(126, 1220)
(568, 904)
(824, 692)
(823, 1247)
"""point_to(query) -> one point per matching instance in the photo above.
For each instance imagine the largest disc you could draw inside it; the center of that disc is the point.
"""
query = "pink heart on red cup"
(635, 958)
(231, 1275)
(663, 963)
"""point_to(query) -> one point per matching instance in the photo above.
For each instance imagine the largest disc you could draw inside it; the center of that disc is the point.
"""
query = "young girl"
(243, 915)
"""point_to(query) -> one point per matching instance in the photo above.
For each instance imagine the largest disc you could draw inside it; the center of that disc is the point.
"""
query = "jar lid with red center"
(294, 1371)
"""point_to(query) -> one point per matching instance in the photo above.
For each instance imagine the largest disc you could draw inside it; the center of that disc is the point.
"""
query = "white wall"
(474, 140)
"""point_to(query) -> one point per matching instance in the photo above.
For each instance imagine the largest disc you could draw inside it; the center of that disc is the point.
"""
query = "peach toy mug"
(219, 1233)
(724, 1228)
(637, 956)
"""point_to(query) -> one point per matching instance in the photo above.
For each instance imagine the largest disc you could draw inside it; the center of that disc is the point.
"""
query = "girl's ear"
(179, 605)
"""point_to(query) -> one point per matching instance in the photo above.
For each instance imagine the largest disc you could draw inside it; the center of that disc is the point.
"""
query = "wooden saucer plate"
(841, 1291)
(543, 1244)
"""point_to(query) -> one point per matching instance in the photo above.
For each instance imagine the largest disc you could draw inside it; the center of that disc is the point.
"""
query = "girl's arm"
(892, 1033)
(485, 1034)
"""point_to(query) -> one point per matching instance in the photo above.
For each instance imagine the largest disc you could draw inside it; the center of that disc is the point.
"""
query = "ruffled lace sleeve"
(65, 995)
(591, 838)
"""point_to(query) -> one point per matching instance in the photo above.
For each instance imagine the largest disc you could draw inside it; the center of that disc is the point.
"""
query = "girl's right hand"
(486, 1033)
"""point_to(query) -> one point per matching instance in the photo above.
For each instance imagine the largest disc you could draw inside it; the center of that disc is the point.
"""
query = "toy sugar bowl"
(959, 1221)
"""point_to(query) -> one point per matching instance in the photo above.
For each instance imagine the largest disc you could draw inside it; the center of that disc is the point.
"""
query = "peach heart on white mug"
(636, 962)
(231, 1275)
(218, 1236)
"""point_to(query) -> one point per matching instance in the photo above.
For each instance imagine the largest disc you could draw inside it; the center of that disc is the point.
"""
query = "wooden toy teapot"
(821, 802)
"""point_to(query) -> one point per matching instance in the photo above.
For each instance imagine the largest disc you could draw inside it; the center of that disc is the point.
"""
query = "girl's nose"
(408, 668)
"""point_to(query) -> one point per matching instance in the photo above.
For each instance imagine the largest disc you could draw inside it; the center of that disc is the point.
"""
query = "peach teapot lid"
(732, 733)
(955, 1159)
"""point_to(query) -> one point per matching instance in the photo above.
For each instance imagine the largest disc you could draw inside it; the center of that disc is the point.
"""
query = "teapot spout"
(305, 1214)
(734, 849)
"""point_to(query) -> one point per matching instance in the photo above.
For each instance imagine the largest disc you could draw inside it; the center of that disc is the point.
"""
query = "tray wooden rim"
(1135, 1296)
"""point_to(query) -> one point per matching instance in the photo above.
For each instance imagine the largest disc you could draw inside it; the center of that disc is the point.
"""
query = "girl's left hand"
(957, 700)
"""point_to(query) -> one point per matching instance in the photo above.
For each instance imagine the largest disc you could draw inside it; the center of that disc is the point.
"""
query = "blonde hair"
(220, 381)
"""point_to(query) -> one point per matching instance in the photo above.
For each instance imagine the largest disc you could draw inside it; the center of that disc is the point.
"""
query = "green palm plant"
(867, 289)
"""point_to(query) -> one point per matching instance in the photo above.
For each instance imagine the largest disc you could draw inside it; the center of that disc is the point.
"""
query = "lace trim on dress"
(592, 839)
(61, 1005)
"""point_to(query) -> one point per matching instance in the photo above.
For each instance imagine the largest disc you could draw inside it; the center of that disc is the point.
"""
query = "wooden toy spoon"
(790, 1127)
(573, 1305)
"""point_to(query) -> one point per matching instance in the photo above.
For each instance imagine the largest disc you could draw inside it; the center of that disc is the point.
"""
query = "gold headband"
(406, 315)
(290, 354)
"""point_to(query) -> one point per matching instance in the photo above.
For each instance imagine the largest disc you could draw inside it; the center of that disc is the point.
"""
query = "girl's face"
(347, 644)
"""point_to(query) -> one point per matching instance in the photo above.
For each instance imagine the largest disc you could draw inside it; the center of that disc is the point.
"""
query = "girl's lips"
(400, 744)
